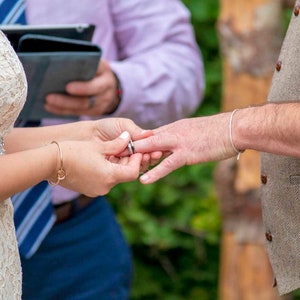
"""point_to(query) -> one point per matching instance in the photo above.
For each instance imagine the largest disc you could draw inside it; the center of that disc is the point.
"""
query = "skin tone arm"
(103, 130)
(273, 128)
(86, 157)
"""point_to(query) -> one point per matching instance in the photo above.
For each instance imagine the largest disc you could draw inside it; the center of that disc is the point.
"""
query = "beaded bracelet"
(61, 173)
(239, 152)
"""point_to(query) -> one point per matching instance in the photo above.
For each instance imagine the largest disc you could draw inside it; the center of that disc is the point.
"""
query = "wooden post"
(250, 36)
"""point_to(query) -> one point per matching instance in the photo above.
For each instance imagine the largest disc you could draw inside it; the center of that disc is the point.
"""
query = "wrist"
(117, 97)
(59, 172)
(233, 143)
(247, 126)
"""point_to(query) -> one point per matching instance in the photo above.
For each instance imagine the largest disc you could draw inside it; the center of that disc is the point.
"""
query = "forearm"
(24, 169)
(173, 91)
(20, 139)
(273, 128)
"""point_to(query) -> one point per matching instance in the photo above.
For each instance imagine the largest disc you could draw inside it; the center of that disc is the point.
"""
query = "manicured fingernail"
(124, 135)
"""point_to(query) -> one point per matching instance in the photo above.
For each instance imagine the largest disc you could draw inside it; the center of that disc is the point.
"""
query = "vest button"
(269, 236)
(278, 66)
(264, 179)
(296, 10)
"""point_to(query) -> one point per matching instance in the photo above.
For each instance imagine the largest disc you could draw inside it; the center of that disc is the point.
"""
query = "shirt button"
(296, 10)
(269, 236)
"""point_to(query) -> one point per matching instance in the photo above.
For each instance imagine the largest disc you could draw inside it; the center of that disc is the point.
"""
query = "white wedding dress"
(13, 89)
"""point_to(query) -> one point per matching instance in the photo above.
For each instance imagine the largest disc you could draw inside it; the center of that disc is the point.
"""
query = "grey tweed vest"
(281, 175)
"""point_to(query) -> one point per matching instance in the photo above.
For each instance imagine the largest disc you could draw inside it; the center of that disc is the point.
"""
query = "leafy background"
(173, 226)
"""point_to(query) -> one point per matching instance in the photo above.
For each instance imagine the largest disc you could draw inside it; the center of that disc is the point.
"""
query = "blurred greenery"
(173, 226)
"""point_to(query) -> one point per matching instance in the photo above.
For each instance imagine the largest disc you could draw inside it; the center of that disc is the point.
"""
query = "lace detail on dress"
(10, 266)
(13, 89)
(2, 150)
(13, 86)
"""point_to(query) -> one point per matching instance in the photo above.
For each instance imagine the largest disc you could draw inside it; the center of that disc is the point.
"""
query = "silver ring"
(131, 147)
(92, 102)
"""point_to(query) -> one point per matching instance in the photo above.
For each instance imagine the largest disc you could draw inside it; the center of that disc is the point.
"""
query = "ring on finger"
(130, 147)
(92, 101)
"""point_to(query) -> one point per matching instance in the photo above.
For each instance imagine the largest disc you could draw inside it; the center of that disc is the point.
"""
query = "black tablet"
(30, 43)
(50, 62)
(82, 32)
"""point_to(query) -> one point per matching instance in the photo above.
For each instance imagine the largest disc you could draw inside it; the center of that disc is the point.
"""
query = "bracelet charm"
(61, 173)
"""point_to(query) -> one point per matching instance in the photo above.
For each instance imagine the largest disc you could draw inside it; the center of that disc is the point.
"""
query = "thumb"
(164, 168)
(117, 145)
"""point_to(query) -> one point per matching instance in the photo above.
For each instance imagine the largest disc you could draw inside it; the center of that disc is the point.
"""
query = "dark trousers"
(85, 257)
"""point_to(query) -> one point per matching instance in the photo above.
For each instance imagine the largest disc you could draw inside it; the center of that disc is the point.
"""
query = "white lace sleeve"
(13, 86)
(13, 90)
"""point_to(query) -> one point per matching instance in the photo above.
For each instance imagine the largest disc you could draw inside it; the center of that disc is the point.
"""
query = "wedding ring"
(92, 102)
(131, 147)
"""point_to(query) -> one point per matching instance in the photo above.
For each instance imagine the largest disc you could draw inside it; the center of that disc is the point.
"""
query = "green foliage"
(204, 15)
(173, 226)
(173, 229)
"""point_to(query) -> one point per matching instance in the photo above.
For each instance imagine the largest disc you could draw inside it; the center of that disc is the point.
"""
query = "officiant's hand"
(98, 96)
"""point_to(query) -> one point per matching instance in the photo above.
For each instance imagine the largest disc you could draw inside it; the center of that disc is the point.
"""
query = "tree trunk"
(250, 36)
